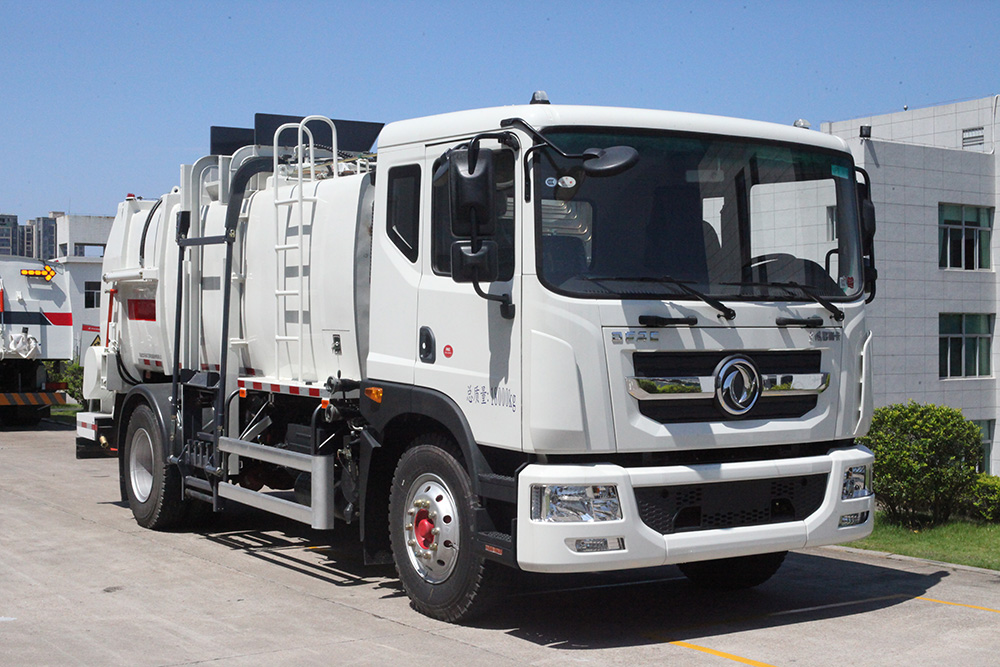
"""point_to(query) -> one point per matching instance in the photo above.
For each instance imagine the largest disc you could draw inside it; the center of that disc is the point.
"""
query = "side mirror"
(868, 222)
(468, 265)
(867, 210)
(473, 192)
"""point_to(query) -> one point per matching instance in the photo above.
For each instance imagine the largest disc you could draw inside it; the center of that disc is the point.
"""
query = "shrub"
(70, 372)
(925, 458)
(982, 501)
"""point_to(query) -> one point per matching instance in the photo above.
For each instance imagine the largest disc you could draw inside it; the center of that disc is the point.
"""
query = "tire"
(153, 487)
(431, 515)
(730, 574)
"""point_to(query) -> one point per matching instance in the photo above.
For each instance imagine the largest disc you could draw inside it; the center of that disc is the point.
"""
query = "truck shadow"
(660, 605)
(333, 557)
(601, 610)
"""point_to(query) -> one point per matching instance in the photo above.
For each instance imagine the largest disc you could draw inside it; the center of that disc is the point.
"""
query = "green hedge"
(70, 372)
(925, 461)
(982, 501)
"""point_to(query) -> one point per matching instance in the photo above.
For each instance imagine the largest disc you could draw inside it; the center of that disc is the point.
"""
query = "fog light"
(855, 519)
(565, 503)
(857, 482)
(591, 545)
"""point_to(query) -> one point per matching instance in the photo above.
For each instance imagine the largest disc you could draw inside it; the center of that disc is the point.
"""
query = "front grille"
(683, 364)
(667, 364)
(693, 507)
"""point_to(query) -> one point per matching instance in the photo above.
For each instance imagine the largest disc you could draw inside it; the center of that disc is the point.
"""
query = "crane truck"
(36, 325)
(543, 337)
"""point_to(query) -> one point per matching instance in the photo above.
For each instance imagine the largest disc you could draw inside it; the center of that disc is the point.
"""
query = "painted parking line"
(959, 604)
(720, 654)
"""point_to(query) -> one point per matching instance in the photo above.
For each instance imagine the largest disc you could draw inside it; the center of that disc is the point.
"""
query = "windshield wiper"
(683, 285)
(837, 313)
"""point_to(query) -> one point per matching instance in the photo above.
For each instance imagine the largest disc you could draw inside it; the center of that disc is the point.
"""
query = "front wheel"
(431, 510)
(734, 573)
(153, 487)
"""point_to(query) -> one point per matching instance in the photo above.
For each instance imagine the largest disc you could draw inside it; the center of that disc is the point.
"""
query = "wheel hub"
(141, 465)
(431, 528)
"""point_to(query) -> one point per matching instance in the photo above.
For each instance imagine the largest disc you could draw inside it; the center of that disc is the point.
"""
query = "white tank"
(295, 297)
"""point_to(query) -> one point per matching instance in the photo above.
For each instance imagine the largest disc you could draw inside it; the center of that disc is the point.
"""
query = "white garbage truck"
(541, 337)
(36, 325)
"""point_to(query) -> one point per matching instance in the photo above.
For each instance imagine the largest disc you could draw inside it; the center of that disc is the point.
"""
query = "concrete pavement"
(82, 584)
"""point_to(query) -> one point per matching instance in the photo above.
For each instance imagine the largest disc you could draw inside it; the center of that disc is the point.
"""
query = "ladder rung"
(286, 292)
(287, 338)
(287, 246)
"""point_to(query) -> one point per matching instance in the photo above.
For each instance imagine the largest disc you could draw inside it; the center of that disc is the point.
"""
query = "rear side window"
(403, 214)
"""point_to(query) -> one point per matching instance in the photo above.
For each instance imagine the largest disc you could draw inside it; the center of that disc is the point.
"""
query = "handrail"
(303, 133)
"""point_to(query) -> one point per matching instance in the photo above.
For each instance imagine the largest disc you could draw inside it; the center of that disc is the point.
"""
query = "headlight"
(857, 482)
(563, 503)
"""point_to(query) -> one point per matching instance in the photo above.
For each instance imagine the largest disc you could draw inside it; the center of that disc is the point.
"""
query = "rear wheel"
(734, 573)
(431, 510)
(153, 487)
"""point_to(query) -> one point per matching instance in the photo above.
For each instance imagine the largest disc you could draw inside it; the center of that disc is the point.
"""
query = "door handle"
(428, 352)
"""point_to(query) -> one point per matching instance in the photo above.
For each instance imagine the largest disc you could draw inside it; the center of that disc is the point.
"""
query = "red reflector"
(55, 386)
(142, 309)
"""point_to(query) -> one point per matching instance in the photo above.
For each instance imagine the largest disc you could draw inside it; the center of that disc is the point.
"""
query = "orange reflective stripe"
(34, 398)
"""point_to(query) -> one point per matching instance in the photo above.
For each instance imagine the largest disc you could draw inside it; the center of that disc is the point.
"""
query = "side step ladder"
(319, 513)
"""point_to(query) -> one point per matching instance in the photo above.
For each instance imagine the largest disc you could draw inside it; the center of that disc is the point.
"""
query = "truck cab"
(674, 343)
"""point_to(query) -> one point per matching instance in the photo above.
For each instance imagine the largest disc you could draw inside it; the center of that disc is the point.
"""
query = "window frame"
(91, 294)
(409, 247)
(955, 237)
(986, 428)
(954, 346)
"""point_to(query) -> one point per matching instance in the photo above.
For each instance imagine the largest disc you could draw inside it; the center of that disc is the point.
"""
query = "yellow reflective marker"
(720, 654)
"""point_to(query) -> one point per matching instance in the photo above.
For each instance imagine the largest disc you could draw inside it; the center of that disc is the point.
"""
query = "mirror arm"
(527, 167)
(543, 141)
(508, 122)
(506, 307)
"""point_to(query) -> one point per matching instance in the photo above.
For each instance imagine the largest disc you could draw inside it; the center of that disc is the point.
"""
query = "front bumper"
(549, 547)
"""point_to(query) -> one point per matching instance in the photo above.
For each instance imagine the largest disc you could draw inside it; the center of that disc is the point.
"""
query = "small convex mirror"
(609, 161)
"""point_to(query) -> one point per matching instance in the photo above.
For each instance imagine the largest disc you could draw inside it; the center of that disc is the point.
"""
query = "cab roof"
(456, 125)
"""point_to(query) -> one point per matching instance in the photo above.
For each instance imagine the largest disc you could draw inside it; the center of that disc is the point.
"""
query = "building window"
(964, 234)
(973, 136)
(92, 294)
(986, 427)
(831, 223)
(964, 345)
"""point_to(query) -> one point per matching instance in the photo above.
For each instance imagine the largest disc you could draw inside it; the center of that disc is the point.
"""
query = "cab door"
(467, 349)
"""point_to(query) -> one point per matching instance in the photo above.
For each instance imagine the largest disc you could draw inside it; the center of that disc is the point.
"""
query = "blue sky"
(99, 99)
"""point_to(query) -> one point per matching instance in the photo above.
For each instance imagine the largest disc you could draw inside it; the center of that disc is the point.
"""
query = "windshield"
(729, 218)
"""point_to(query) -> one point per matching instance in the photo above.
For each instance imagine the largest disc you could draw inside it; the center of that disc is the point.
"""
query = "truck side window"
(441, 237)
(403, 210)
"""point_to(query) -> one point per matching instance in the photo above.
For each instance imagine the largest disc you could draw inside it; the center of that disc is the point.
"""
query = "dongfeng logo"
(737, 385)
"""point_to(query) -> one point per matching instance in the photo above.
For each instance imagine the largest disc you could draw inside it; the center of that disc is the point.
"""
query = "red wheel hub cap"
(423, 529)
